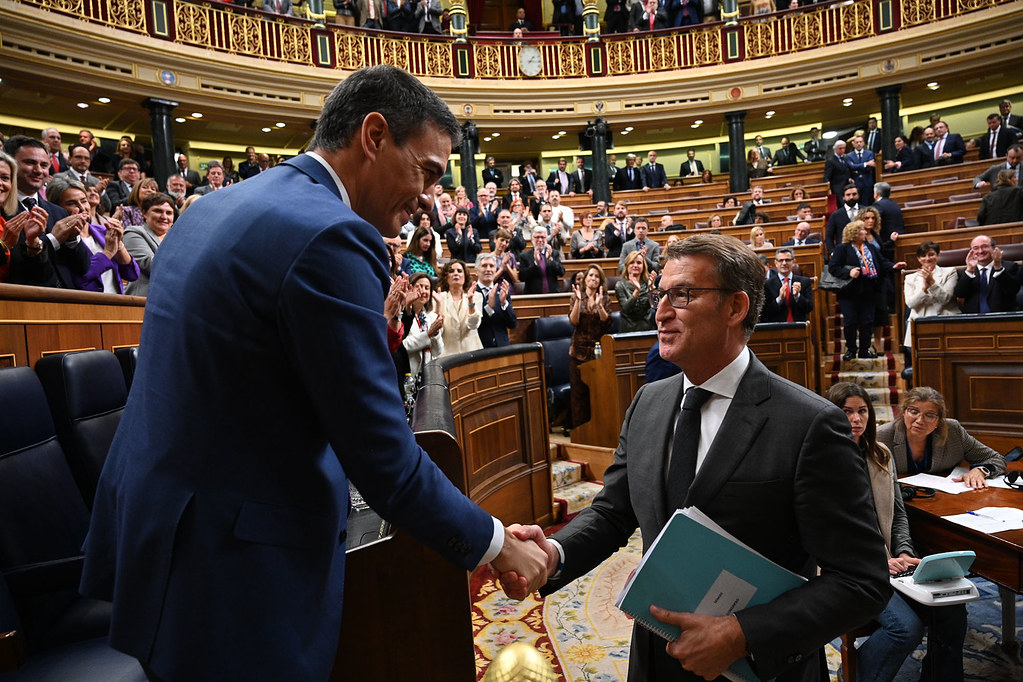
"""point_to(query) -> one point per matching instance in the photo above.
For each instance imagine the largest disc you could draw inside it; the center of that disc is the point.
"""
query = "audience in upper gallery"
(860, 261)
(461, 305)
(506, 259)
(633, 294)
(650, 249)
(758, 238)
(521, 22)
(1004, 204)
(231, 176)
(788, 154)
(498, 312)
(756, 165)
(815, 148)
(192, 179)
(628, 177)
(1012, 120)
(924, 150)
(905, 159)
(583, 177)
(118, 191)
(540, 268)
(996, 141)
(925, 441)
(949, 147)
(423, 325)
(78, 161)
(529, 179)
(250, 166)
(126, 150)
(589, 312)
(420, 253)
(1013, 155)
(653, 173)
(902, 622)
(987, 284)
(111, 263)
(143, 241)
(100, 162)
(491, 173)
(691, 167)
(561, 180)
(587, 241)
(462, 238)
(930, 290)
(132, 207)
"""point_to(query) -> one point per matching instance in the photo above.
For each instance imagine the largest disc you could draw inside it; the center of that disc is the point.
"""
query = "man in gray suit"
(428, 13)
(769, 461)
(79, 158)
(1013, 155)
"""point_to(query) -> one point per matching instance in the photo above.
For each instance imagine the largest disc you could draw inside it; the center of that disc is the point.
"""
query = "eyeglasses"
(928, 417)
(783, 260)
(679, 297)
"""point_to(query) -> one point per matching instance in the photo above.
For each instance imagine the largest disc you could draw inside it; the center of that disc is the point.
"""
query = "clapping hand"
(796, 288)
(576, 293)
(398, 297)
(437, 325)
(996, 258)
(70, 227)
(492, 297)
(504, 291)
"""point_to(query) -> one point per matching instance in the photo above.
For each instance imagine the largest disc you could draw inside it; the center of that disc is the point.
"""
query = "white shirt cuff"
(496, 544)
(561, 560)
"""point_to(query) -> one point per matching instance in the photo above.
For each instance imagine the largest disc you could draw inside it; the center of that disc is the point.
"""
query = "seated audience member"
(801, 236)
(707, 176)
(798, 194)
(761, 218)
(111, 263)
(424, 325)
(804, 211)
(1004, 204)
(930, 290)
(23, 260)
(902, 622)
(730, 202)
(987, 284)
(633, 293)
(515, 235)
(142, 241)
(758, 238)
(118, 191)
(860, 261)
(521, 220)
(589, 311)
(788, 296)
(425, 219)
(420, 255)
(715, 222)
(668, 224)
(445, 208)
(650, 249)
(587, 241)
(498, 313)
(215, 179)
(132, 208)
(924, 441)
(461, 305)
(1011, 163)
(617, 230)
(463, 240)
(905, 159)
(540, 268)
(507, 261)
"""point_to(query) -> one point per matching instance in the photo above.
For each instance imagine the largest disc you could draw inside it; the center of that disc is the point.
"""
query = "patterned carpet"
(586, 638)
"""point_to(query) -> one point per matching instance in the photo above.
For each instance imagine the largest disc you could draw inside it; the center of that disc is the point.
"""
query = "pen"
(983, 516)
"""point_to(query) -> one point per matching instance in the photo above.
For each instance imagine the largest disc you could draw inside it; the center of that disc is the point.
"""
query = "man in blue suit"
(498, 313)
(861, 169)
(264, 384)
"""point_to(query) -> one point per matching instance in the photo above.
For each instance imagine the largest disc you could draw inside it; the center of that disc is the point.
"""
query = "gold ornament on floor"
(519, 662)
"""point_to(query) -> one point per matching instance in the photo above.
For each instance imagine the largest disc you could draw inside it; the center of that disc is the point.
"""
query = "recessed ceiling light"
(770, 113)
(830, 134)
(932, 84)
(554, 137)
(495, 134)
(562, 132)
(267, 130)
(83, 105)
(847, 104)
(629, 129)
(625, 132)
(279, 124)
(847, 100)
(181, 119)
(694, 126)
(698, 121)
(486, 139)
(103, 100)
(196, 114)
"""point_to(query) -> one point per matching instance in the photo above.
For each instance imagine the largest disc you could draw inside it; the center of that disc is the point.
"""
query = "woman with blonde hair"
(633, 293)
(757, 238)
(133, 206)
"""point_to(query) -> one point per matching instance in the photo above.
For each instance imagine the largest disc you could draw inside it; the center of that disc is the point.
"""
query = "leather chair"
(555, 335)
(128, 356)
(46, 521)
(86, 393)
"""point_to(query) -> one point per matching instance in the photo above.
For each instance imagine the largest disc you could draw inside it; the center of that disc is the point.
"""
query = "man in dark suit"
(61, 245)
(653, 173)
(583, 177)
(847, 210)
(483, 214)
(747, 215)
(498, 313)
(618, 231)
(100, 160)
(892, 223)
(250, 166)
(814, 147)
(788, 154)
(924, 152)
(861, 169)
(628, 177)
(836, 172)
(987, 284)
(788, 297)
(801, 236)
(1010, 119)
(692, 167)
(996, 141)
(1013, 156)
(528, 179)
(219, 523)
(872, 137)
(540, 268)
(192, 179)
(647, 16)
(520, 22)
(492, 173)
(514, 192)
(769, 461)
(949, 147)
(54, 147)
(118, 191)
(561, 180)
(616, 16)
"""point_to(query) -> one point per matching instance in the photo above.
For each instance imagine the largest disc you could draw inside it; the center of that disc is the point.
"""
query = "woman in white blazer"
(423, 340)
(928, 291)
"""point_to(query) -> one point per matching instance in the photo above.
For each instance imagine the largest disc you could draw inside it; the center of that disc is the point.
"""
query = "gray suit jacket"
(74, 176)
(783, 476)
(958, 446)
(653, 254)
(433, 12)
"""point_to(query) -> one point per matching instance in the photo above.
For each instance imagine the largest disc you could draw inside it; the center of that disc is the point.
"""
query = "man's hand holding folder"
(708, 645)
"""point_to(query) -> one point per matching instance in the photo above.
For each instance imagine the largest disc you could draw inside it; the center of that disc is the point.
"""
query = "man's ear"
(373, 134)
(738, 308)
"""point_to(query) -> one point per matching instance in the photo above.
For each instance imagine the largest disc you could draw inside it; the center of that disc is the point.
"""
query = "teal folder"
(696, 566)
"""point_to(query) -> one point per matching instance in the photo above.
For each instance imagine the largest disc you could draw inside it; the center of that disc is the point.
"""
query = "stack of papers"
(990, 519)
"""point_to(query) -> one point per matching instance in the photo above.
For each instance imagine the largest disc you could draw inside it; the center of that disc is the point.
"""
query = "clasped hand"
(525, 562)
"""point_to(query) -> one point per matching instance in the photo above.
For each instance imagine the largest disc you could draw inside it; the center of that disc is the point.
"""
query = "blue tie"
(984, 307)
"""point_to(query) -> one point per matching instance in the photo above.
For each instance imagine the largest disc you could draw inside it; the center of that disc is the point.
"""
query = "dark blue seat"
(128, 356)
(555, 335)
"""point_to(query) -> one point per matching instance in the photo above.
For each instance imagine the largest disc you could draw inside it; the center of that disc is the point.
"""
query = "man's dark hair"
(638, 221)
(998, 116)
(785, 249)
(213, 164)
(127, 162)
(404, 102)
(16, 142)
(802, 206)
(76, 145)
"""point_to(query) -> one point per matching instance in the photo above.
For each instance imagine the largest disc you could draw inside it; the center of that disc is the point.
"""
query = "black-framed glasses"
(679, 297)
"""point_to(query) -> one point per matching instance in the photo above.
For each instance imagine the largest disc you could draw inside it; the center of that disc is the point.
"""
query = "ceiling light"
(495, 134)
(196, 114)
(267, 130)
(279, 124)
(554, 137)
(181, 119)
(698, 121)
(83, 105)
(847, 104)
(562, 132)
(770, 113)
(629, 129)
(847, 100)
(625, 132)
(933, 85)
(103, 100)
(486, 139)
(695, 125)
(830, 134)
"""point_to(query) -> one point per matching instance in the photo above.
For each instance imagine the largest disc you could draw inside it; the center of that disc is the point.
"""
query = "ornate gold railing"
(238, 30)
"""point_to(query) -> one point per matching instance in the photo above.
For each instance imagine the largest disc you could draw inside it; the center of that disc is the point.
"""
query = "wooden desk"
(999, 557)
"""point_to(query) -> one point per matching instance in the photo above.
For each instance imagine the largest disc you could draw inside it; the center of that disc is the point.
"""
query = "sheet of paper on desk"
(998, 482)
(990, 519)
(943, 483)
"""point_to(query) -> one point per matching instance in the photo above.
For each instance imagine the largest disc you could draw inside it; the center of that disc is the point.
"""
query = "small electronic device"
(939, 579)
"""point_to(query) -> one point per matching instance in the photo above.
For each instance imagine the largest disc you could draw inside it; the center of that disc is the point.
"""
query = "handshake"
(525, 562)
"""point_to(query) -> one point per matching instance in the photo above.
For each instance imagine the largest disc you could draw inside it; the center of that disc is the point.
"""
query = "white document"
(990, 519)
(943, 483)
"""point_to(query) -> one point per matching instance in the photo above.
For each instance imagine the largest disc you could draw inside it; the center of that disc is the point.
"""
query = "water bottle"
(410, 389)
(596, 351)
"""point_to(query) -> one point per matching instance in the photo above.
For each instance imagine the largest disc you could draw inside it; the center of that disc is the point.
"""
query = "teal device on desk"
(939, 579)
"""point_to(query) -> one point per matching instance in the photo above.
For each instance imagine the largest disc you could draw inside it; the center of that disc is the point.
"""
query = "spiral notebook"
(696, 566)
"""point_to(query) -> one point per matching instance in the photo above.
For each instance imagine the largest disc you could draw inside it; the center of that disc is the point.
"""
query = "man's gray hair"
(485, 256)
(882, 189)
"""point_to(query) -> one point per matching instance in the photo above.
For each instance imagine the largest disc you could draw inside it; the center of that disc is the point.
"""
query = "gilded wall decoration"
(663, 53)
(760, 39)
(808, 30)
(351, 53)
(488, 61)
(706, 47)
(438, 60)
(857, 20)
(573, 62)
(970, 5)
(129, 14)
(394, 53)
(193, 23)
(619, 56)
(295, 45)
(245, 34)
(917, 12)
(69, 6)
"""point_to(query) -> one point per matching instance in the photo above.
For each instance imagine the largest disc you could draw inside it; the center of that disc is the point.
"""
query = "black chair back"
(128, 356)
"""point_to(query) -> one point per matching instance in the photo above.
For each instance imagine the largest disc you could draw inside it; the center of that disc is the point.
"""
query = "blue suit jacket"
(263, 385)
(861, 174)
(494, 327)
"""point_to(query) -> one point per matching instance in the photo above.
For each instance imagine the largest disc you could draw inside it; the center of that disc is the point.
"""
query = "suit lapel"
(736, 437)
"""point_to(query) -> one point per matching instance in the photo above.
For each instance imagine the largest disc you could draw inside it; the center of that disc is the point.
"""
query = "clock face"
(530, 61)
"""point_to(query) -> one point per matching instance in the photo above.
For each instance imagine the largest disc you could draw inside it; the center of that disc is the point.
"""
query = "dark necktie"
(545, 286)
(682, 469)
(83, 178)
(29, 203)
(984, 307)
